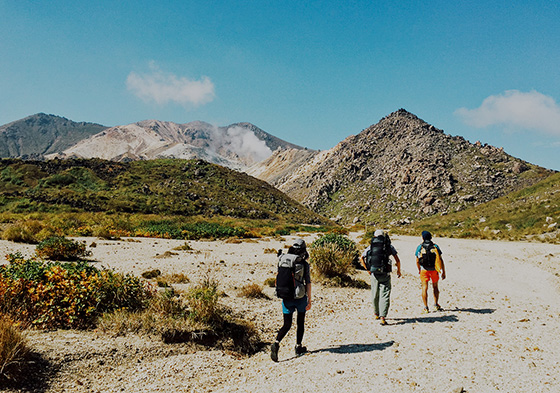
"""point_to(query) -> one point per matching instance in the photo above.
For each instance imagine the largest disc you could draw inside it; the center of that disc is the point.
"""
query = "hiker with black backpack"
(293, 286)
(375, 259)
(430, 266)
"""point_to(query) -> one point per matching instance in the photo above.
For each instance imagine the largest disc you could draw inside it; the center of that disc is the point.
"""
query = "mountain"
(235, 146)
(162, 187)
(530, 213)
(397, 171)
(40, 134)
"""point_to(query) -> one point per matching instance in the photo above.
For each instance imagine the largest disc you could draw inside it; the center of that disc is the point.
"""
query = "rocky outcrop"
(402, 169)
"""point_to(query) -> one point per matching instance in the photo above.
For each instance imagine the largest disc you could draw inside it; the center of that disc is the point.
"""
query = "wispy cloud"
(516, 109)
(162, 88)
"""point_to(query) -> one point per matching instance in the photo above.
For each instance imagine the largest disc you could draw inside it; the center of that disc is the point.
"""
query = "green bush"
(59, 248)
(65, 295)
(202, 301)
(26, 231)
(333, 255)
(329, 261)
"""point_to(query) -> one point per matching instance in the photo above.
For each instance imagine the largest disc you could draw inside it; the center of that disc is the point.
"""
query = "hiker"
(376, 261)
(430, 265)
(298, 296)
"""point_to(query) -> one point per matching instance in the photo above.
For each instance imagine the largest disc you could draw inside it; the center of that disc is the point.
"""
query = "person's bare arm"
(398, 263)
(363, 262)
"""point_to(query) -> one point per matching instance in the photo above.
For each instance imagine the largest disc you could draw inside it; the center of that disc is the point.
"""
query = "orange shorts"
(427, 275)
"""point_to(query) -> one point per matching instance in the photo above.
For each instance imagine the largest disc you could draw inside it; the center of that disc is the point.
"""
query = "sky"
(309, 72)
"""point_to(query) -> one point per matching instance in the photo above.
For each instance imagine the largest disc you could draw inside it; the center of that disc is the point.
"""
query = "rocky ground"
(498, 331)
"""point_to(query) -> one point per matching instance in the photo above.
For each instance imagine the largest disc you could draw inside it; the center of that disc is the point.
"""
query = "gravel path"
(498, 332)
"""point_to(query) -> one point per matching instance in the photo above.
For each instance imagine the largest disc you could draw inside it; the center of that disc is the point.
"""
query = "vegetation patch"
(252, 291)
(195, 316)
(51, 295)
(14, 349)
(59, 248)
(333, 257)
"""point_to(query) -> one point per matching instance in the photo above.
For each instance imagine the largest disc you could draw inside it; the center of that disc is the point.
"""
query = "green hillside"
(532, 213)
(162, 188)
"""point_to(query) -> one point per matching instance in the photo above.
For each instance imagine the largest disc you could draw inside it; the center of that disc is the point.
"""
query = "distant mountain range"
(235, 146)
(397, 171)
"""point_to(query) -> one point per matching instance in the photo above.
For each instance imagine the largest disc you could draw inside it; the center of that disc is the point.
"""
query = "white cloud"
(516, 109)
(164, 87)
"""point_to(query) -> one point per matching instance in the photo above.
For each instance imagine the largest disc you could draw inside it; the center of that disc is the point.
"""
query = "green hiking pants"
(381, 293)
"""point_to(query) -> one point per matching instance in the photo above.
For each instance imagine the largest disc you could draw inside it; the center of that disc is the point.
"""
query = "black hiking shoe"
(274, 351)
(300, 350)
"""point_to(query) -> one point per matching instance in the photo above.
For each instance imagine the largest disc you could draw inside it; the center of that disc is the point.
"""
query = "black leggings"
(288, 324)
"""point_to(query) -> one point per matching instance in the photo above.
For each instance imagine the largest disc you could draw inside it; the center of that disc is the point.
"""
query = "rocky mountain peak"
(401, 169)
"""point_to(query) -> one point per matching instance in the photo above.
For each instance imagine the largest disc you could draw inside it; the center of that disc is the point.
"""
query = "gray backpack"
(289, 280)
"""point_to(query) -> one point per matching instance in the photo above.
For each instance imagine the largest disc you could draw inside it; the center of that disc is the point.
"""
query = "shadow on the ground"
(475, 310)
(33, 375)
(424, 319)
(347, 348)
(355, 348)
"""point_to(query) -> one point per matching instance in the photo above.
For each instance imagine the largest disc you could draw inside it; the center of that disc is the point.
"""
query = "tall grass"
(13, 347)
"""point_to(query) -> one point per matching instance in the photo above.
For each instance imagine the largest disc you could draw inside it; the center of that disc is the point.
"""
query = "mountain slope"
(41, 134)
(402, 169)
(235, 146)
(531, 212)
(166, 187)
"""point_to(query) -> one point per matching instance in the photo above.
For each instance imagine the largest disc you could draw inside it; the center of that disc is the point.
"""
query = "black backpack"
(289, 280)
(377, 257)
(427, 256)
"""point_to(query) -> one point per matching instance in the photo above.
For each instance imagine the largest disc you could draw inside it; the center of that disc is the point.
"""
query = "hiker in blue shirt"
(430, 266)
(375, 259)
(290, 305)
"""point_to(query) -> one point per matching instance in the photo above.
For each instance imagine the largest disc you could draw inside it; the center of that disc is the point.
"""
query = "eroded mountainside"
(235, 146)
(402, 169)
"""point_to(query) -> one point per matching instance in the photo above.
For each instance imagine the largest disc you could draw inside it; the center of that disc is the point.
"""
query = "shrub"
(253, 291)
(13, 347)
(151, 274)
(61, 249)
(202, 301)
(177, 278)
(65, 295)
(332, 255)
(342, 243)
(195, 317)
(27, 231)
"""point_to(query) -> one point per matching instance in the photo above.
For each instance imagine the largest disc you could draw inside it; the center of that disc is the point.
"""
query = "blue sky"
(311, 73)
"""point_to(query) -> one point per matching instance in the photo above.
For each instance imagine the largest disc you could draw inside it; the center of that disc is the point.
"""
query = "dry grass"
(13, 347)
(194, 316)
(252, 291)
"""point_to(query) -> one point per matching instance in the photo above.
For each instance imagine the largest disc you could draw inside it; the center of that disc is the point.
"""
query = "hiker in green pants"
(376, 260)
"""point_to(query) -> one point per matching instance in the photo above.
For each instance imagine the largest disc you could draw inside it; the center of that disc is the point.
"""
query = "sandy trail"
(499, 330)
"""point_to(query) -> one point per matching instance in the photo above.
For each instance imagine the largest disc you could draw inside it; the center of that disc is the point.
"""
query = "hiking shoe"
(376, 316)
(274, 351)
(438, 307)
(383, 322)
(300, 350)
(426, 310)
